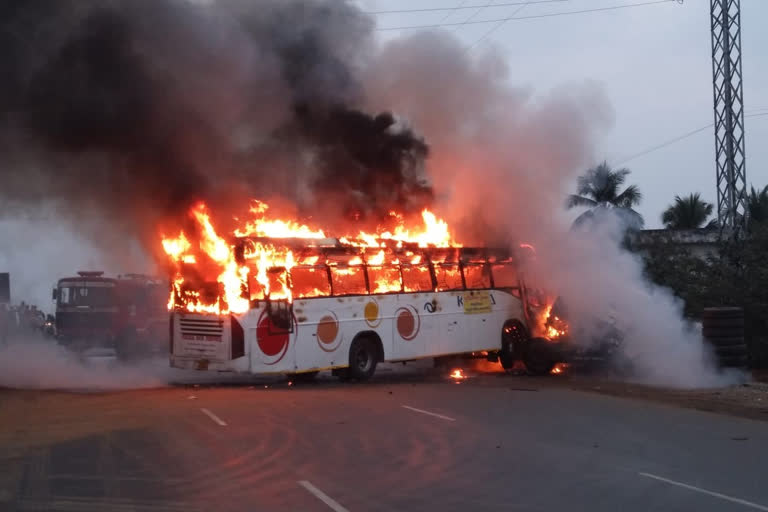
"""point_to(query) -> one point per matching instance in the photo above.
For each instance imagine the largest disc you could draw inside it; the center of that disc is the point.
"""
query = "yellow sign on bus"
(477, 302)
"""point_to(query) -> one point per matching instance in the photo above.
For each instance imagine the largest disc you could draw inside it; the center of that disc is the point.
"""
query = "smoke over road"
(118, 115)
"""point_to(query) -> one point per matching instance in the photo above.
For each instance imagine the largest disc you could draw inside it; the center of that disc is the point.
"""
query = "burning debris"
(458, 375)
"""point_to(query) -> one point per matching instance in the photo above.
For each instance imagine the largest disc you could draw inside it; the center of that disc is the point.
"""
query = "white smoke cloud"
(502, 162)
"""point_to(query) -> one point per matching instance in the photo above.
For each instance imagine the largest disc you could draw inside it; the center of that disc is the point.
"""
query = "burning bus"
(283, 298)
(288, 299)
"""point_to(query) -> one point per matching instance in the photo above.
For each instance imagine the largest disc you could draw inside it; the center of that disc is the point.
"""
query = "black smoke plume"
(130, 111)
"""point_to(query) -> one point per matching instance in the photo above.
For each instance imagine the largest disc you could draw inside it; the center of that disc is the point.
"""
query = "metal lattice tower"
(729, 112)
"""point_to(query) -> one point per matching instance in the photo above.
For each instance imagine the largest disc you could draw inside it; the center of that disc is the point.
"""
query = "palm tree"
(598, 190)
(689, 212)
(757, 204)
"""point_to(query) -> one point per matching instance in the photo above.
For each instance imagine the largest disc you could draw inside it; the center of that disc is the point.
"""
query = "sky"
(653, 63)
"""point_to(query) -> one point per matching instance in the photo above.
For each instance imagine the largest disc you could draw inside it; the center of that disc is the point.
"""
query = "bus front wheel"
(539, 358)
(363, 358)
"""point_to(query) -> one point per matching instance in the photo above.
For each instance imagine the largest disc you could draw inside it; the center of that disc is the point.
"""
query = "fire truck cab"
(127, 313)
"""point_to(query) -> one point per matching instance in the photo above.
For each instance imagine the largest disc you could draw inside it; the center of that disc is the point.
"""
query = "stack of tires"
(723, 329)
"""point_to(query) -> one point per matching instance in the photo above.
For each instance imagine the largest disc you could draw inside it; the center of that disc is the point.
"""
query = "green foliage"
(737, 276)
(690, 212)
(757, 205)
(599, 189)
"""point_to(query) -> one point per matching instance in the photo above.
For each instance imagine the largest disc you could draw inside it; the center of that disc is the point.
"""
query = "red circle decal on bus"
(272, 340)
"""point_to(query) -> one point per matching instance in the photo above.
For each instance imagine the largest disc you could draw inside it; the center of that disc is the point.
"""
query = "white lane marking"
(704, 491)
(215, 418)
(422, 411)
(332, 504)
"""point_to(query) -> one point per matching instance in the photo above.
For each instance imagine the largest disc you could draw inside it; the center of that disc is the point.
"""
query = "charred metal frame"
(725, 16)
(480, 255)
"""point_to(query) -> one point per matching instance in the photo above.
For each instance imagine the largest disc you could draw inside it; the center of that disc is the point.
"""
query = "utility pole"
(729, 113)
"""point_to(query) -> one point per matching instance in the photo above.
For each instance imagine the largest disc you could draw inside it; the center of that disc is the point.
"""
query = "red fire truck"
(128, 313)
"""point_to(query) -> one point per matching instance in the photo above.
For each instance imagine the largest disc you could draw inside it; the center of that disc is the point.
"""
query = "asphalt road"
(396, 444)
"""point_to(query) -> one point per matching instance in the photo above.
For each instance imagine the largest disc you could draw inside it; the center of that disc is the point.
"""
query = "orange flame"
(554, 327)
(263, 268)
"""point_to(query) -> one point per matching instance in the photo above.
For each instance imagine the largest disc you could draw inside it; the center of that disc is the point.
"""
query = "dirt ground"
(749, 400)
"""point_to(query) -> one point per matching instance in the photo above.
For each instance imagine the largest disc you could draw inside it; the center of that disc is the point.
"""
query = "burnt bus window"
(505, 275)
(448, 277)
(416, 278)
(348, 280)
(477, 275)
(277, 279)
(310, 282)
(278, 283)
(384, 279)
(257, 290)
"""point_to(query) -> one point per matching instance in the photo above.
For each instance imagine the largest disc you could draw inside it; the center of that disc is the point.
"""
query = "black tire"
(725, 341)
(539, 357)
(363, 358)
(722, 332)
(507, 355)
(513, 339)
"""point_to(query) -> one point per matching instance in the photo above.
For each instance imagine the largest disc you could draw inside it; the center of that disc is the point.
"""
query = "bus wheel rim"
(363, 360)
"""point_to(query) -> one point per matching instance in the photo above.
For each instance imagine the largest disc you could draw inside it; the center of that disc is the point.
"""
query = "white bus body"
(318, 333)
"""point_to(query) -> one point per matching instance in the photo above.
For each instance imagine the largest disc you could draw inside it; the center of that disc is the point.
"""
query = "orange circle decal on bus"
(329, 336)
(407, 322)
(328, 329)
(371, 313)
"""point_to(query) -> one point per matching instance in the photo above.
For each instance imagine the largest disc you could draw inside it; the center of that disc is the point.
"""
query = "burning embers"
(214, 274)
(554, 326)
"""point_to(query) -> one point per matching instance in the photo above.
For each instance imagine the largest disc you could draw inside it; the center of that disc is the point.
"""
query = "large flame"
(225, 279)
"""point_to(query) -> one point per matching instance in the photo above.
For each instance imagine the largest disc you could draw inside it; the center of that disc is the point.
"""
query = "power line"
(531, 17)
(463, 7)
(674, 140)
(449, 13)
(473, 15)
(496, 27)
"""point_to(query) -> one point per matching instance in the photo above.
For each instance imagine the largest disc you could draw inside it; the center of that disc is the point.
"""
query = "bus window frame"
(434, 269)
(391, 266)
(456, 265)
(484, 266)
(430, 272)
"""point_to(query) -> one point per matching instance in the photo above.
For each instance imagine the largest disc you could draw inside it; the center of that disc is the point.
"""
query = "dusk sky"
(653, 63)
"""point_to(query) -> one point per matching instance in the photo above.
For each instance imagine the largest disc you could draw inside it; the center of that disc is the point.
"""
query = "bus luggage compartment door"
(199, 340)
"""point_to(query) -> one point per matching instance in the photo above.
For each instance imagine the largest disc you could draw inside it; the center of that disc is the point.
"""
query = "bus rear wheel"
(363, 358)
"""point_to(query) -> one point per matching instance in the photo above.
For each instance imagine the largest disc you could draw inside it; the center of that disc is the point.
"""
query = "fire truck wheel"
(363, 358)
(538, 358)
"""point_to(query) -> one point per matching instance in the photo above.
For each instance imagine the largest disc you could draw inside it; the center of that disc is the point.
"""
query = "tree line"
(735, 274)
(599, 189)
